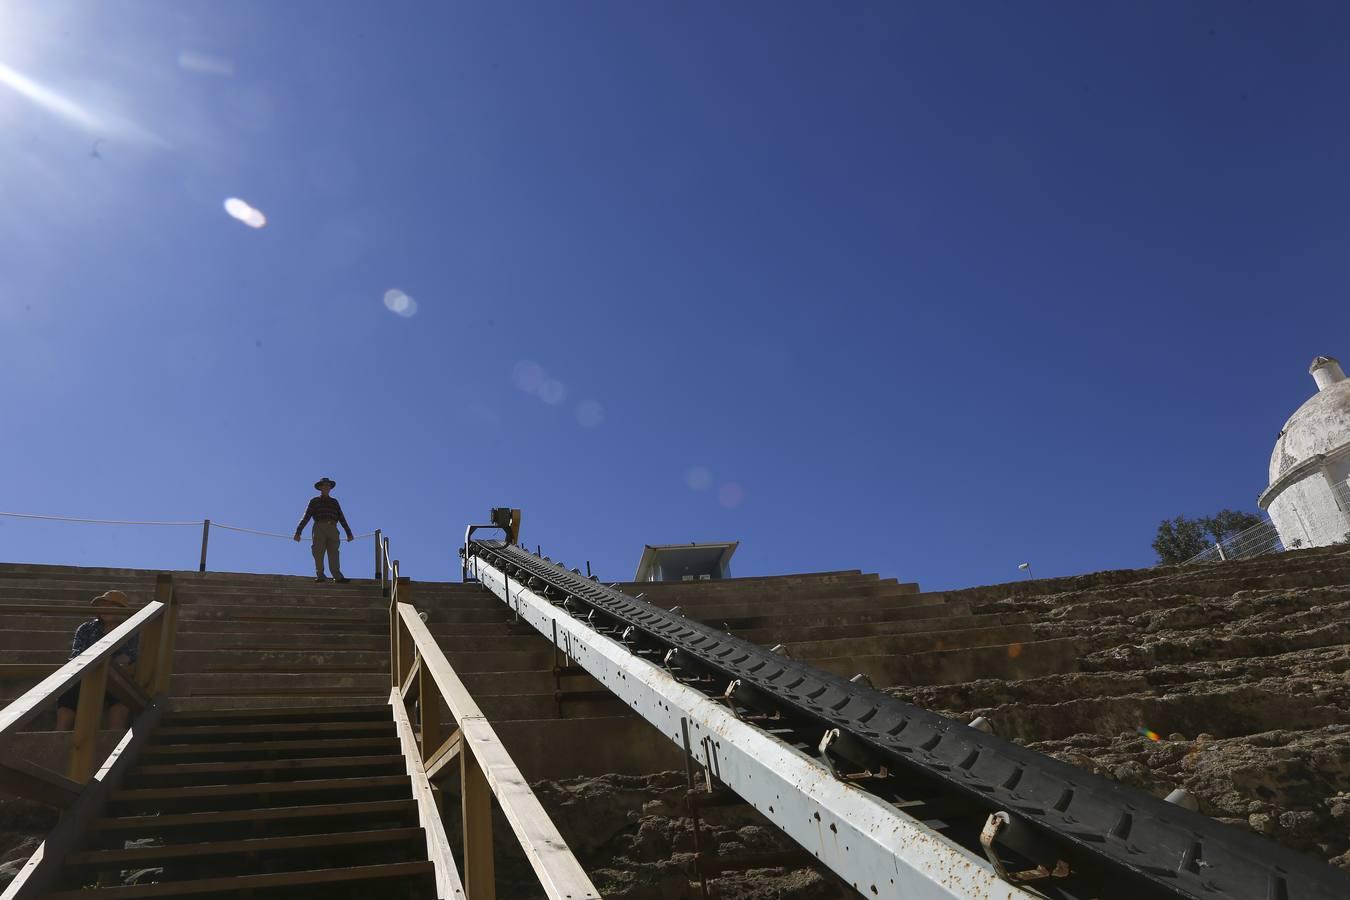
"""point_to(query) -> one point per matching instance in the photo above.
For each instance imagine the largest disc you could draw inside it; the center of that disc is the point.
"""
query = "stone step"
(847, 629)
(836, 606)
(821, 617)
(752, 582)
(891, 644)
(555, 748)
(1013, 661)
(769, 596)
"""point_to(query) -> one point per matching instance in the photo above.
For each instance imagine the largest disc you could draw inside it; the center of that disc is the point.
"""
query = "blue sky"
(923, 289)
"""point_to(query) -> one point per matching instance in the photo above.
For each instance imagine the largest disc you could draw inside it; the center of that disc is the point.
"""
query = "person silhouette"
(327, 515)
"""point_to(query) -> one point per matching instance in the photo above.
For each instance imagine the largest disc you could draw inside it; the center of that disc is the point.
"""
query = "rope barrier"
(287, 537)
(214, 524)
(15, 515)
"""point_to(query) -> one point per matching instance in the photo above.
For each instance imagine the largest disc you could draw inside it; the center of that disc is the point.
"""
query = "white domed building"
(1309, 494)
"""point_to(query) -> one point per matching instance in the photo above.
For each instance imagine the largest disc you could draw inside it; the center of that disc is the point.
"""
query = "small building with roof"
(1309, 494)
(686, 562)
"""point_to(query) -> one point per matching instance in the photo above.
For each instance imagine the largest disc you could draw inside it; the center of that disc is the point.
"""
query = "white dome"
(1320, 426)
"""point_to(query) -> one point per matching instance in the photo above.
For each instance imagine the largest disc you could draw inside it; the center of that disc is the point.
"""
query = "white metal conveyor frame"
(869, 843)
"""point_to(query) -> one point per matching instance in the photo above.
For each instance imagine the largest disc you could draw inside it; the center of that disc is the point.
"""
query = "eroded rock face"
(1242, 669)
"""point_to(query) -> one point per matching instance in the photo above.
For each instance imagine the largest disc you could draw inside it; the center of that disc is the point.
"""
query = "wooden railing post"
(147, 663)
(402, 651)
(429, 704)
(168, 629)
(87, 715)
(480, 876)
(379, 563)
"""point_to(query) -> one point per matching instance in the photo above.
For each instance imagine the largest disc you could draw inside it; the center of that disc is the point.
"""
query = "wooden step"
(153, 856)
(142, 826)
(238, 883)
(231, 749)
(184, 770)
(264, 730)
(301, 717)
(305, 786)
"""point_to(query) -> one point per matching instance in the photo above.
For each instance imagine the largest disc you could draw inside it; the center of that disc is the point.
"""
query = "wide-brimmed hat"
(325, 480)
(111, 598)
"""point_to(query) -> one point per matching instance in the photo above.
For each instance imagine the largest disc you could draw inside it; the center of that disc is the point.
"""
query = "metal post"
(206, 534)
(379, 569)
(588, 568)
(1218, 545)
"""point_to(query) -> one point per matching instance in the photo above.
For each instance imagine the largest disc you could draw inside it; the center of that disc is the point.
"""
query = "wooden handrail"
(45, 693)
(95, 671)
(486, 769)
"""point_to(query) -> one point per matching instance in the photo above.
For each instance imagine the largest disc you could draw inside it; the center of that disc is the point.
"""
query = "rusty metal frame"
(869, 843)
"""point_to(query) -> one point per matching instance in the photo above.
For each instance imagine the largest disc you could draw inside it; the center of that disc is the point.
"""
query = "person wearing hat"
(86, 636)
(327, 515)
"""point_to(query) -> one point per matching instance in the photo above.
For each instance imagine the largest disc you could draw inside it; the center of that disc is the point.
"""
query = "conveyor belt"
(1117, 841)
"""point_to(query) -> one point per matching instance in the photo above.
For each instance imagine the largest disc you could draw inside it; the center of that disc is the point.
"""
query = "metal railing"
(420, 673)
(1259, 540)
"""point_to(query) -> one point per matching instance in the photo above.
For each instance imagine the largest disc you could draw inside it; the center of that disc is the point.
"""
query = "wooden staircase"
(301, 802)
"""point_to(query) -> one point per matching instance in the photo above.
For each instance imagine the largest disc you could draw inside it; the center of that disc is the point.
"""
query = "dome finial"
(1326, 371)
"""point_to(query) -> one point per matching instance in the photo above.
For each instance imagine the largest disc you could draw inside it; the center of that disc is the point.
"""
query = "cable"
(286, 537)
(90, 521)
(214, 524)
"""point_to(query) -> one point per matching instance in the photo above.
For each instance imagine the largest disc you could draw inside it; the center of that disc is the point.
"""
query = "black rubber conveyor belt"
(1134, 843)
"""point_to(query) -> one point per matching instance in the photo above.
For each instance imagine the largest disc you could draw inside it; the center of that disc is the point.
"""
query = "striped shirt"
(91, 632)
(324, 509)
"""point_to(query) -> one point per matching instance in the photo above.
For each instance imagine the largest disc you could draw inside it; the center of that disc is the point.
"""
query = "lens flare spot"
(1149, 733)
(528, 376)
(1014, 650)
(399, 303)
(698, 478)
(590, 413)
(552, 391)
(245, 213)
(731, 495)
